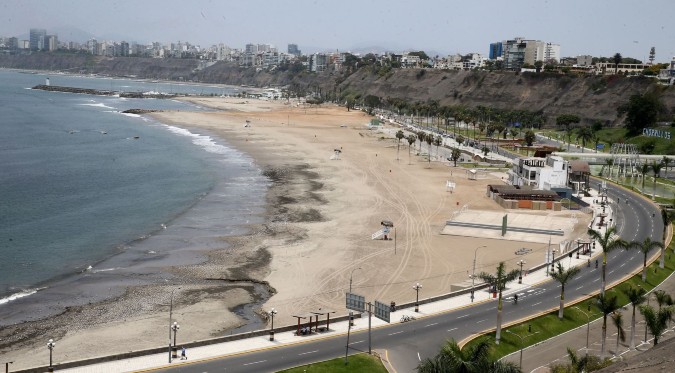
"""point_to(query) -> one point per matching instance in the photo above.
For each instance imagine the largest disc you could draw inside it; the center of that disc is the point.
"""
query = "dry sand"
(321, 215)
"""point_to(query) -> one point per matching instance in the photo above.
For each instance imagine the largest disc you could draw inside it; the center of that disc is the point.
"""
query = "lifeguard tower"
(383, 234)
(336, 155)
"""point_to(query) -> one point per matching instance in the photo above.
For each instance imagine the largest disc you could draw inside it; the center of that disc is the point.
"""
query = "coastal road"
(410, 342)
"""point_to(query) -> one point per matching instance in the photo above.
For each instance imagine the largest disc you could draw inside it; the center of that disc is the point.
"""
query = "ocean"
(91, 197)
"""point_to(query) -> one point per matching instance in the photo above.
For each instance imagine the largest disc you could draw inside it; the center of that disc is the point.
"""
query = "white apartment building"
(539, 173)
(408, 60)
(476, 60)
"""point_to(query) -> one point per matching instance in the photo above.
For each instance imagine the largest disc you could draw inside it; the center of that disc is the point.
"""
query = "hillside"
(590, 97)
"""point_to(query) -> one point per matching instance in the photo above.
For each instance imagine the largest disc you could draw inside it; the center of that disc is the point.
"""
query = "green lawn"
(357, 363)
(549, 325)
(619, 135)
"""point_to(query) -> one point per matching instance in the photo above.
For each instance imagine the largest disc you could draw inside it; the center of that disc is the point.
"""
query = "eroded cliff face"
(590, 97)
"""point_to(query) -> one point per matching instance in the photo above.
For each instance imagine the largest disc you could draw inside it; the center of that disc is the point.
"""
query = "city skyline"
(578, 27)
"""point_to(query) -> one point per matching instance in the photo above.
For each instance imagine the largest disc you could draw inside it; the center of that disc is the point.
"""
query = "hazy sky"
(596, 27)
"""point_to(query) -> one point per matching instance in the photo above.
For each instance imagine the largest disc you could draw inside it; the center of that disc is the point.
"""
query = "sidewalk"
(338, 328)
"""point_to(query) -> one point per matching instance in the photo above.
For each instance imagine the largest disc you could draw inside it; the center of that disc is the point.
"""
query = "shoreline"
(319, 214)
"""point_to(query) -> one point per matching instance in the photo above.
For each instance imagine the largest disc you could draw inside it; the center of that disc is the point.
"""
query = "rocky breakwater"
(99, 92)
(141, 111)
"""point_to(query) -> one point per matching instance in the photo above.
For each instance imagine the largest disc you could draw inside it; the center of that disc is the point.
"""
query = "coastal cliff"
(592, 98)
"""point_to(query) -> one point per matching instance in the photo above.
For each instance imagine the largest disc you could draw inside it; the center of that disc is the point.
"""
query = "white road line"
(579, 287)
(461, 317)
(596, 280)
(452, 329)
(426, 326)
(477, 322)
(255, 362)
(418, 357)
(353, 343)
(310, 352)
(536, 304)
(397, 333)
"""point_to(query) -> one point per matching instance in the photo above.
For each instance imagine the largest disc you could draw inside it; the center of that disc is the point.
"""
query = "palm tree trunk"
(562, 302)
(604, 336)
(662, 260)
(498, 333)
(644, 269)
(616, 351)
(632, 331)
(604, 267)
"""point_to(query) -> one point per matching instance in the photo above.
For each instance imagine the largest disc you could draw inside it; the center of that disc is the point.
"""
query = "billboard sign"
(356, 302)
(382, 311)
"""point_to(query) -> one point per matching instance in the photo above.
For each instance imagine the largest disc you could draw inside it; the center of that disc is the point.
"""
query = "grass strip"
(357, 363)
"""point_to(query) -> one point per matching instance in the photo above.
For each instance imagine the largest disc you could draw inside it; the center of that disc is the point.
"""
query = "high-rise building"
(518, 51)
(251, 48)
(293, 49)
(51, 43)
(495, 50)
(124, 49)
(37, 39)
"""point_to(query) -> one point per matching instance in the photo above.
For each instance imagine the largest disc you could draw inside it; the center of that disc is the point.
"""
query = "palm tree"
(438, 141)
(657, 321)
(636, 296)
(498, 281)
(644, 169)
(421, 136)
(645, 247)
(666, 161)
(662, 298)
(606, 306)
(617, 320)
(609, 163)
(399, 136)
(585, 134)
(656, 168)
(476, 359)
(569, 131)
(607, 243)
(455, 155)
(429, 139)
(596, 141)
(563, 276)
(666, 217)
(411, 140)
(617, 58)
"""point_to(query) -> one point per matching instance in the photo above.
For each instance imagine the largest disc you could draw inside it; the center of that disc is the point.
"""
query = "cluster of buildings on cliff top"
(513, 54)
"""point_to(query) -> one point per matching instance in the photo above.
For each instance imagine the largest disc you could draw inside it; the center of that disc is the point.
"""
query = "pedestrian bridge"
(593, 158)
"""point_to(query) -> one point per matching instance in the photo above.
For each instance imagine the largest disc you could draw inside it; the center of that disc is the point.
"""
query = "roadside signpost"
(358, 303)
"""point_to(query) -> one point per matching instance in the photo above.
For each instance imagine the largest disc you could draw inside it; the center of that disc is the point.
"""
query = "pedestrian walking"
(183, 354)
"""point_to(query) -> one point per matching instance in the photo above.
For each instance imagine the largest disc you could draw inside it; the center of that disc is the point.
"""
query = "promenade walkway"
(160, 360)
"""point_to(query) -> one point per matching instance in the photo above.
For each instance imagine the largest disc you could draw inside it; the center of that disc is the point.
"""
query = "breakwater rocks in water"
(141, 111)
(99, 92)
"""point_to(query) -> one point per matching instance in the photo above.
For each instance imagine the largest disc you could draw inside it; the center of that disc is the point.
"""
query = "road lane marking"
(255, 362)
(536, 304)
(397, 333)
(579, 287)
(478, 322)
(418, 357)
(452, 329)
(461, 317)
(432, 324)
(353, 343)
(310, 352)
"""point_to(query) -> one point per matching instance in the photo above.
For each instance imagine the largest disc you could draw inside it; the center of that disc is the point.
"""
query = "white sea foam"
(205, 142)
(21, 294)
(132, 115)
(99, 104)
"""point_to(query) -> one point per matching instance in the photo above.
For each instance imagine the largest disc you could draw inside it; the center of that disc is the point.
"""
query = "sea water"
(85, 188)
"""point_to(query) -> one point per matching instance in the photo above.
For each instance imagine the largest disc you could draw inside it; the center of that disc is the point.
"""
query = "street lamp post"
(520, 276)
(473, 272)
(272, 313)
(521, 345)
(588, 324)
(175, 328)
(7, 366)
(417, 288)
(553, 260)
(50, 345)
(170, 320)
(350, 278)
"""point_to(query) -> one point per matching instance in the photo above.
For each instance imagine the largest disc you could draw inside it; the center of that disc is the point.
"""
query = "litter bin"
(174, 352)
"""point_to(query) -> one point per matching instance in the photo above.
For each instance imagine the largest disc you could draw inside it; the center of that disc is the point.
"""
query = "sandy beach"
(321, 213)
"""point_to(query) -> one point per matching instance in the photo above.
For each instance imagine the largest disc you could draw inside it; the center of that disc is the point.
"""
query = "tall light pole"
(473, 272)
(272, 313)
(588, 324)
(50, 345)
(417, 288)
(7, 366)
(520, 276)
(521, 344)
(170, 320)
(350, 278)
(175, 328)
(553, 261)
